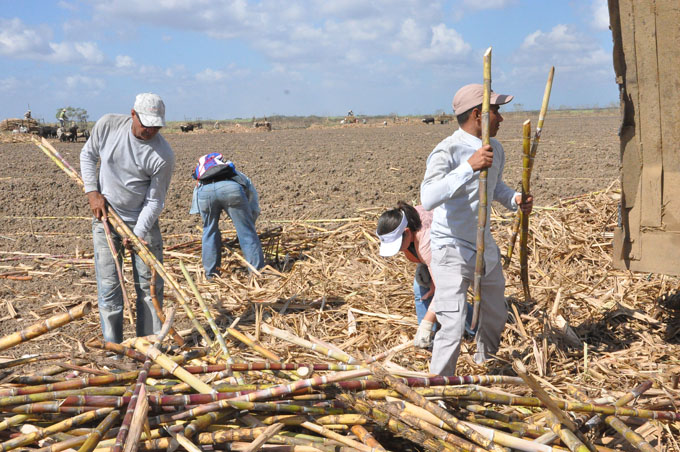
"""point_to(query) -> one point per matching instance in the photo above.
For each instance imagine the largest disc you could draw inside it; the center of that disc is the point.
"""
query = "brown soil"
(314, 173)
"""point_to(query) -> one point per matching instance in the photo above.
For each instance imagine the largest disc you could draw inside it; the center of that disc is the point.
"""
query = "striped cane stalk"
(483, 196)
(435, 409)
(45, 326)
(99, 432)
(166, 363)
(12, 421)
(558, 421)
(55, 395)
(286, 336)
(502, 399)
(534, 149)
(366, 438)
(124, 231)
(398, 411)
(206, 312)
(389, 422)
(140, 385)
(62, 426)
(119, 270)
(524, 217)
(617, 424)
(159, 309)
(70, 384)
(31, 359)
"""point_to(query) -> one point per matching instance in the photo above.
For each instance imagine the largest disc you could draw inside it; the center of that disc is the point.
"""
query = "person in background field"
(62, 118)
(136, 164)
(450, 189)
(219, 186)
(27, 115)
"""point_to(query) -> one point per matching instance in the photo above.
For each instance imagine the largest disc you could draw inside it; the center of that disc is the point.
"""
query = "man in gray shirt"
(136, 164)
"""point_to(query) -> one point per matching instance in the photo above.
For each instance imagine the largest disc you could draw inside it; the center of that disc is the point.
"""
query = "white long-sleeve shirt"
(451, 188)
(134, 174)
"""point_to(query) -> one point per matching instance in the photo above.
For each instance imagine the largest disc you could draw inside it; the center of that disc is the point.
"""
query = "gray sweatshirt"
(134, 174)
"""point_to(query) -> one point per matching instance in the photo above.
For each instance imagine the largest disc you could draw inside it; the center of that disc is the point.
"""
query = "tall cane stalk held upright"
(534, 149)
(524, 218)
(483, 198)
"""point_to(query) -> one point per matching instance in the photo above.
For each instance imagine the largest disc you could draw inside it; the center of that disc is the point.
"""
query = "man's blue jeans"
(229, 196)
(109, 293)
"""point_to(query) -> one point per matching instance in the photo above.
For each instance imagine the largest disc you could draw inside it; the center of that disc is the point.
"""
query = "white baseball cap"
(150, 109)
(390, 243)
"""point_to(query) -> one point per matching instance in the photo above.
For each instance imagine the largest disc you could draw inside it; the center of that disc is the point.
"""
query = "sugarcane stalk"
(159, 310)
(366, 438)
(99, 432)
(139, 386)
(31, 359)
(534, 149)
(483, 196)
(62, 426)
(119, 270)
(617, 424)
(202, 422)
(45, 326)
(337, 437)
(236, 334)
(70, 384)
(571, 436)
(55, 395)
(166, 363)
(264, 437)
(12, 421)
(397, 410)
(435, 409)
(124, 231)
(388, 421)
(206, 312)
(286, 336)
(524, 217)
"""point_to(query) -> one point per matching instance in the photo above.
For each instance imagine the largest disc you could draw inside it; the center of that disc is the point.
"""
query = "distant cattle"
(71, 134)
(428, 120)
(47, 132)
(188, 127)
(264, 124)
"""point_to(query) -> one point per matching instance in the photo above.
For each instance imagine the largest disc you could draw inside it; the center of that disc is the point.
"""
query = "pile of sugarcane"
(201, 399)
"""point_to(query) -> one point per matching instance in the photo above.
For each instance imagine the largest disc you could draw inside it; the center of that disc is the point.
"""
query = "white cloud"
(438, 44)
(76, 52)
(488, 4)
(210, 76)
(83, 83)
(9, 84)
(600, 15)
(67, 5)
(567, 49)
(19, 41)
(124, 62)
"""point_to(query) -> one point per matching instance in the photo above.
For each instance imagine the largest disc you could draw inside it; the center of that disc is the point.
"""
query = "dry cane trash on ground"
(318, 354)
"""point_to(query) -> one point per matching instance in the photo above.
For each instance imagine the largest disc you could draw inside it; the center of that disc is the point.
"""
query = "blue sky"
(218, 59)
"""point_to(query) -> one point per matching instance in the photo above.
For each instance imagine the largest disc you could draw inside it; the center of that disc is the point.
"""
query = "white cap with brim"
(390, 243)
(150, 109)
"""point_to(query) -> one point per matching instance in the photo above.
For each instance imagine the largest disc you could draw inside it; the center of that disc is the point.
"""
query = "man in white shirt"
(451, 188)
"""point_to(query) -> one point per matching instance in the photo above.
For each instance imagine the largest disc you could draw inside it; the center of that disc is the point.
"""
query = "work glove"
(424, 334)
